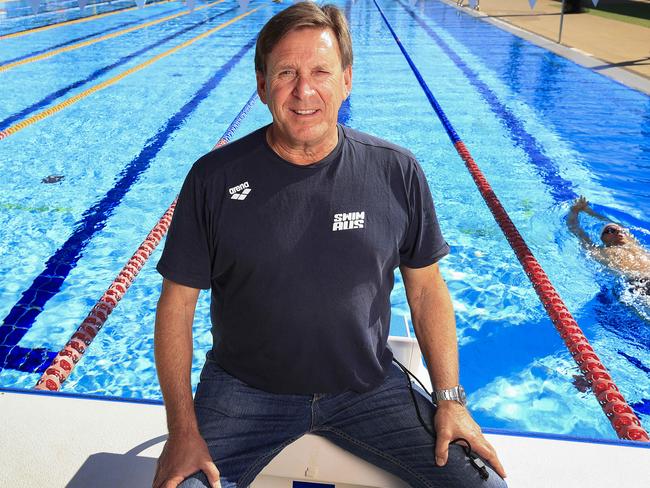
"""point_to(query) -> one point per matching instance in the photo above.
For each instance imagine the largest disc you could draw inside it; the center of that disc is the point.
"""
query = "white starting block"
(79, 441)
(317, 462)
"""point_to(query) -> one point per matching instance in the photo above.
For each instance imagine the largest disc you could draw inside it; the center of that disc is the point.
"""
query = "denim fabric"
(245, 428)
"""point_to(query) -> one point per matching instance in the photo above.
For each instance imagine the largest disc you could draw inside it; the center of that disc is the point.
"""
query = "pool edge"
(487, 430)
(624, 77)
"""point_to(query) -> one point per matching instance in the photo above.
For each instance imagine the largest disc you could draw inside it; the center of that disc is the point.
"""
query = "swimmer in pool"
(620, 251)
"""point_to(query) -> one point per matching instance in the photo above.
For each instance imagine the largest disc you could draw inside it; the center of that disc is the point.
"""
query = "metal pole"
(559, 37)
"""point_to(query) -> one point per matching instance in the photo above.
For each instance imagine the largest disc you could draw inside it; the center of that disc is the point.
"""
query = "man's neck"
(303, 154)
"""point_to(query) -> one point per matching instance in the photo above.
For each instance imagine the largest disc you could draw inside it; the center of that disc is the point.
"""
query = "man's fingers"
(155, 482)
(173, 482)
(212, 473)
(493, 459)
(442, 448)
(159, 478)
(156, 478)
(487, 452)
(498, 467)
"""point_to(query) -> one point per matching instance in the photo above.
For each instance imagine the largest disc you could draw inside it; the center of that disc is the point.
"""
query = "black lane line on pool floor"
(48, 283)
(560, 188)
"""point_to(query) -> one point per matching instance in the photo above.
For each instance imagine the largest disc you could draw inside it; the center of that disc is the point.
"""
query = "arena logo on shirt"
(240, 191)
(349, 220)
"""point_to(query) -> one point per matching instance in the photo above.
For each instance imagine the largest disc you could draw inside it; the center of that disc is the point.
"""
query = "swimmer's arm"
(582, 205)
(593, 213)
(574, 226)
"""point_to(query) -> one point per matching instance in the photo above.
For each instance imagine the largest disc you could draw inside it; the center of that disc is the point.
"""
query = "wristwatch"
(457, 393)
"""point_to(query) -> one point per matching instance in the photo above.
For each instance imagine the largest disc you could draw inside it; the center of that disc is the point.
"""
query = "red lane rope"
(622, 417)
(65, 361)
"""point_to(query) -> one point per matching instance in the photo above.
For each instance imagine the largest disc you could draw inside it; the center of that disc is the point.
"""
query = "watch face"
(461, 395)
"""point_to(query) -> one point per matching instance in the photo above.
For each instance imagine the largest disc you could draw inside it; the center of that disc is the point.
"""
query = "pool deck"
(57, 440)
(617, 49)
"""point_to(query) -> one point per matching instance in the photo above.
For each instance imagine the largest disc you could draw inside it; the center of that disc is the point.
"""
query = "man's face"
(304, 87)
(613, 235)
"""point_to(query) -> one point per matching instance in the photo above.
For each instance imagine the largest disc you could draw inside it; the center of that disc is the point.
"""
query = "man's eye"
(286, 73)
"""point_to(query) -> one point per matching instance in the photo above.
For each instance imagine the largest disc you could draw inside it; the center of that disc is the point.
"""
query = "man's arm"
(580, 205)
(435, 329)
(590, 211)
(185, 452)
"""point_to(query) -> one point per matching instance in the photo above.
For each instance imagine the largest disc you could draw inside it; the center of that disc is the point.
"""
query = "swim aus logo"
(240, 191)
(349, 220)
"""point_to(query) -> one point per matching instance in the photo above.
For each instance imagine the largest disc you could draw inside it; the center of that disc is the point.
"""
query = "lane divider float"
(72, 100)
(76, 21)
(621, 416)
(65, 361)
(90, 42)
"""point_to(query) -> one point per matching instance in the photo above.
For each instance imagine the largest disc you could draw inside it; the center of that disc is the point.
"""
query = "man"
(620, 251)
(297, 229)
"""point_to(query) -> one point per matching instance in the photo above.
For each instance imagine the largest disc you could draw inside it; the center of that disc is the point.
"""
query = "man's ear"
(261, 86)
(347, 79)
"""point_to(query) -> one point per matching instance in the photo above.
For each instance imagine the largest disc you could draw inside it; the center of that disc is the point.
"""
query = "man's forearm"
(572, 222)
(435, 328)
(173, 352)
(574, 226)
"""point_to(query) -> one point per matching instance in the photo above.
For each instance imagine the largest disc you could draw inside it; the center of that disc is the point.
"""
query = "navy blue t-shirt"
(301, 259)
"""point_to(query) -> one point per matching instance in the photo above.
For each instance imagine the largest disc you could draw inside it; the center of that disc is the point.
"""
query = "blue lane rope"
(234, 125)
(451, 132)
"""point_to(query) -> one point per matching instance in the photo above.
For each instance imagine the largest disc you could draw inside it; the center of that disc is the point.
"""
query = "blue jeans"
(245, 428)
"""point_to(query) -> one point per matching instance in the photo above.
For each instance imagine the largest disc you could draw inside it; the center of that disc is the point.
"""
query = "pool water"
(543, 130)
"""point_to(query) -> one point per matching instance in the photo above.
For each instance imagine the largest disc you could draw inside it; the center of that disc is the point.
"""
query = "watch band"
(457, 393)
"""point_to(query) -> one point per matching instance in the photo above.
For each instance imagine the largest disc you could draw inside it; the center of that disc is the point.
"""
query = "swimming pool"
(123, 136)
(19, 15)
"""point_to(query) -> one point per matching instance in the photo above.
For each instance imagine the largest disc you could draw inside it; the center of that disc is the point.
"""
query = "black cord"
(407, 373)
(417, 407)
(476, 461)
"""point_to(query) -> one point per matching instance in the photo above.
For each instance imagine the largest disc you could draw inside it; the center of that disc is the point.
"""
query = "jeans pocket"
(222, 393)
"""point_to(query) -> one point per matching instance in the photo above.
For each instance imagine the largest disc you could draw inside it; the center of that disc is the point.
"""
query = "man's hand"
(183, 456)
(453, 421)
(581, 204)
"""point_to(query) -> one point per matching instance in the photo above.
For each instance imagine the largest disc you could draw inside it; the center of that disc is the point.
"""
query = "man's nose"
(303, 87)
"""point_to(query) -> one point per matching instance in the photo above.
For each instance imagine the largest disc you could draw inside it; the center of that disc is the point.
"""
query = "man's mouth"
(304, 112)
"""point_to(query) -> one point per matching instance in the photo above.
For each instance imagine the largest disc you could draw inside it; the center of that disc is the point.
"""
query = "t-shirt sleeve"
(423, 244)
(186, 258)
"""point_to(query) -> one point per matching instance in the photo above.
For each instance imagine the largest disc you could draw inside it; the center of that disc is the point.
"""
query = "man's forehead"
(324, 33)
(612, 225)
(319, 38)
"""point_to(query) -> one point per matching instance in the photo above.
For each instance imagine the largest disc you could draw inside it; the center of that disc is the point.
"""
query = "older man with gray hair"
(297, 229)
